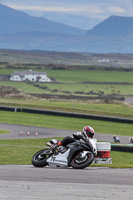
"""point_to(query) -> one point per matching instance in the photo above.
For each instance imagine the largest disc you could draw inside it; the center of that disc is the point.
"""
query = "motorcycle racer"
(77, 151)
(86, 135)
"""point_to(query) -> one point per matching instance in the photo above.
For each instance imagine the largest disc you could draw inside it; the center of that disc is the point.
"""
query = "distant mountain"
(14, 21)
(113, 26)
(19, 30)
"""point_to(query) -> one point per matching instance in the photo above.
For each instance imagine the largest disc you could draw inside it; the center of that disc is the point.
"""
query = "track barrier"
(103, 153)
(67, 114)
(122, 148)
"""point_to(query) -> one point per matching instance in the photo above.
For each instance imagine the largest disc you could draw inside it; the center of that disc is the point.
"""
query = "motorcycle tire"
(40, 158)
(78, 163)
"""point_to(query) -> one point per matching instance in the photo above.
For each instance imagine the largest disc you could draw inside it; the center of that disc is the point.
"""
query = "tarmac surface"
(49, 132)
(30, 183)
(25, 182)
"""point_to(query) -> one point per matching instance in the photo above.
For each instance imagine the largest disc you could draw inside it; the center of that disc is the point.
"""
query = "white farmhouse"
(103, 60)
(30, 75)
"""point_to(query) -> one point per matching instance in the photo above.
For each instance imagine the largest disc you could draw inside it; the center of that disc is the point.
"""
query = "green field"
(72, 82)
(87, 89)
(93, 76)
(73, 89)
(83, 76)
(22, 86)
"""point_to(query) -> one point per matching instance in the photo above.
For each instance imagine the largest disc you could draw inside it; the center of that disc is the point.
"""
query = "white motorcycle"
(76, 155)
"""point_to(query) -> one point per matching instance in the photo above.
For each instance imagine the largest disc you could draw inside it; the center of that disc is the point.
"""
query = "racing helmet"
(88, 131)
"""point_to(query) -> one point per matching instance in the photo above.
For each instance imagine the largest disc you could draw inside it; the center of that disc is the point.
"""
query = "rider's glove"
(54, 146)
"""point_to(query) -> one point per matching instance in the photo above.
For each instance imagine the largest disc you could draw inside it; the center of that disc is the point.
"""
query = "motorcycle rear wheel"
(40, 158)
(81, 163)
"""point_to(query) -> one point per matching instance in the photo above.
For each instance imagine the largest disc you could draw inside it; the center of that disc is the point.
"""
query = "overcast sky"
(84, 14)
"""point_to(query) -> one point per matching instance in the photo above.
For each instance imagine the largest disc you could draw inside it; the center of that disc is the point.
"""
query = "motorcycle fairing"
(76, 147)
(59, 160)
(64, 159)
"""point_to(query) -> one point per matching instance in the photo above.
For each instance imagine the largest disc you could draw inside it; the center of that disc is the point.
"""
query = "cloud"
(45, 8)
(117, 10)
(68, 9)
(95, 9)
(86, 10)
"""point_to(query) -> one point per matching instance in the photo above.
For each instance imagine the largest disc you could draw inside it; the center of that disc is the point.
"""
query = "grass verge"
(85, 107)
(67, 123)
(4, 131)
(20, 152)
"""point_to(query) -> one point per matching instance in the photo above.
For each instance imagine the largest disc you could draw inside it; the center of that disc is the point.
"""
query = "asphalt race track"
(49, 132)
(29, 183)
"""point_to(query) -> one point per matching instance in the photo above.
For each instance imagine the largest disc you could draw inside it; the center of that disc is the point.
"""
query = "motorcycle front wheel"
(79, 162)
(40, 158)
